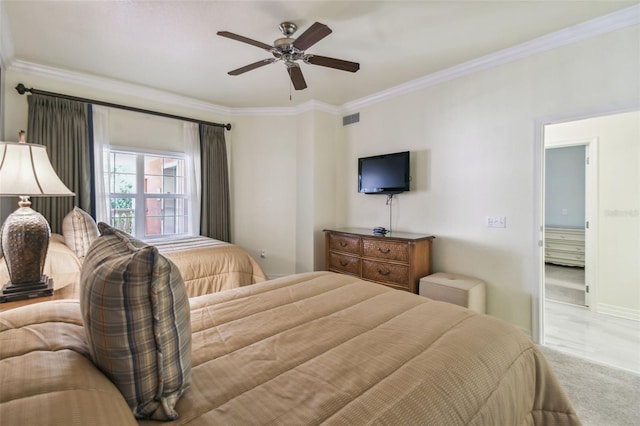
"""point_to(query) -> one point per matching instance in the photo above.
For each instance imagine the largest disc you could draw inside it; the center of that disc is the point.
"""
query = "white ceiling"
(172, 45)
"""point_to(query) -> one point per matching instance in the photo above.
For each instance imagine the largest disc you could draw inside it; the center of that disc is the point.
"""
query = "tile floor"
(600, 338)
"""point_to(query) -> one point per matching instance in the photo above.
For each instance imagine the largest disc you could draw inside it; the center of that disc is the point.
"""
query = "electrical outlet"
(263, 254)
(496, 222)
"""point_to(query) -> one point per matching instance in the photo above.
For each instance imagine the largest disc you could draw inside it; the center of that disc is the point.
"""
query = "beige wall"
(284, 190)
(616, 265)
(474, 142)
(327, 148)
(144, 131)
(264, 189)
(305, 163)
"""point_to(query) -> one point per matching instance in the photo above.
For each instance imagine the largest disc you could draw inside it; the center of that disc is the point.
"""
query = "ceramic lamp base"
(25, 240)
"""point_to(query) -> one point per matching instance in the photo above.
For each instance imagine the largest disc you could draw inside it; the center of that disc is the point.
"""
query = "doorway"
(606, 329)
(566, 223)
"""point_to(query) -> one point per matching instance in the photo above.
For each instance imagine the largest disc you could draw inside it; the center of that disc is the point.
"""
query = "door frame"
(590, 212)
(537, 287)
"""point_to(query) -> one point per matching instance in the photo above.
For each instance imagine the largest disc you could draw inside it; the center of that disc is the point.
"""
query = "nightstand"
(67, 292)
(15, 292)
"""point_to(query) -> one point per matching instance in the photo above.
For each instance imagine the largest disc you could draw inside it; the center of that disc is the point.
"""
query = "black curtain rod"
(22, 90)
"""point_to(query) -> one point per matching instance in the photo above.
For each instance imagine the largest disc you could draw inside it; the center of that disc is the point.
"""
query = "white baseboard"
(617, 311)
(525, 331)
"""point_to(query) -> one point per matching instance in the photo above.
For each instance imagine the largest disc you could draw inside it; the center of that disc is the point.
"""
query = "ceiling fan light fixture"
(284, 44)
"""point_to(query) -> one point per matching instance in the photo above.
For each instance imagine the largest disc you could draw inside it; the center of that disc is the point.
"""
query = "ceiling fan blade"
(338, 64)
(245, 40)
(311, 36)
(252, 66)
(296, 77)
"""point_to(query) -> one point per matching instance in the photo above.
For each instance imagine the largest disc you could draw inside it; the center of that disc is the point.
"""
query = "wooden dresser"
(564, 246)
(396, 260)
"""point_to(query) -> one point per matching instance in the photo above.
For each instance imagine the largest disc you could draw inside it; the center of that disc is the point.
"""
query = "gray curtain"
(62, 126)
(214, 206)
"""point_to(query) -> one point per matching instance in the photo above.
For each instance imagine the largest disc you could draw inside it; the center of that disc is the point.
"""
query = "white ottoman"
(454, 288)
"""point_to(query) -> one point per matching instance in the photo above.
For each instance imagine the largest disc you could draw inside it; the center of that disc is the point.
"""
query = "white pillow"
(79, 230)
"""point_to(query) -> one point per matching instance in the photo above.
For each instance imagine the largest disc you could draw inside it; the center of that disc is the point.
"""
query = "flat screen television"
(384, 174)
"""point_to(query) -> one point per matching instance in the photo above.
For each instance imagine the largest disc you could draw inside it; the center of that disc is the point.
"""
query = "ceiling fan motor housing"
(285, 44)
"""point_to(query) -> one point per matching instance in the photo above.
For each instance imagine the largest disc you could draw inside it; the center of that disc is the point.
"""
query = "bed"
(312, 348)
(207, 265)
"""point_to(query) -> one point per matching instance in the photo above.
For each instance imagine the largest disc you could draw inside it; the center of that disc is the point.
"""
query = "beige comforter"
(206, 265)
(306, 349)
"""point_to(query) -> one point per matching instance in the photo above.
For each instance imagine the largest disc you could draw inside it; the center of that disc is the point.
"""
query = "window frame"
(140, 196)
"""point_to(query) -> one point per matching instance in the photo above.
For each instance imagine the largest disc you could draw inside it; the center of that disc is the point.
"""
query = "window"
(147, 193)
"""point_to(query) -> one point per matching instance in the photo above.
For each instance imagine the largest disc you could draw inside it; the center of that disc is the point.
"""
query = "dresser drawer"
(564, 246)
(563, 255)
(346, 243)
(386, 272)
(564, 234)
(387, 250)
(344, 263)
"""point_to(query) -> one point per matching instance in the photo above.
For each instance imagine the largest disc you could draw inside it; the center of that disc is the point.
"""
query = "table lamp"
(25, 169)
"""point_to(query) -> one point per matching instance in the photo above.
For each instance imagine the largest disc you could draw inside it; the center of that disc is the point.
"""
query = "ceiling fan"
(291, 50)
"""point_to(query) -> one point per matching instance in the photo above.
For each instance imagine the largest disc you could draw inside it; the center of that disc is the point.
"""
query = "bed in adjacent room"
(313, 348)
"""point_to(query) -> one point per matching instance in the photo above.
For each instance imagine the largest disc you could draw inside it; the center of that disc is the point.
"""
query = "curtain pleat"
(101, 160)
(214, 207)
(61, 125)
(191, 132)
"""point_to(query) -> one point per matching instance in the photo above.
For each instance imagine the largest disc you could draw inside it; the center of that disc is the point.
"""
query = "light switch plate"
(496, 222)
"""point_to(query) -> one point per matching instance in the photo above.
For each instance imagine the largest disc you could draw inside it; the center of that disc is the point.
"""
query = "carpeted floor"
(601, 395)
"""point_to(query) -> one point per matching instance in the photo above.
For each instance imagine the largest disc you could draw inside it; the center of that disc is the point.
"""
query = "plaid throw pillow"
(79, 230)
(136, 315)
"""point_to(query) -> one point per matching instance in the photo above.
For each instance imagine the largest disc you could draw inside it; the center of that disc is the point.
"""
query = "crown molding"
(264, 111)
(116, 86)
(604, 24)
(311, 105)
(314, 105)
(162, 96)
(611, 22)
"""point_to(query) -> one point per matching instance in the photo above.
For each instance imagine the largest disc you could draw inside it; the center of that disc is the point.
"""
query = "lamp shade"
(25, 169)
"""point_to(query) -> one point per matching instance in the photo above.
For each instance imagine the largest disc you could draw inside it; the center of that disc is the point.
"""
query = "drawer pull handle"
(343, 263)
(383, 273)
(384, 251)
(343, 244)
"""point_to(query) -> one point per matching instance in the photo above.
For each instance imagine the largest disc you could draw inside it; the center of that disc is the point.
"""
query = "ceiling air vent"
(350, 119)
